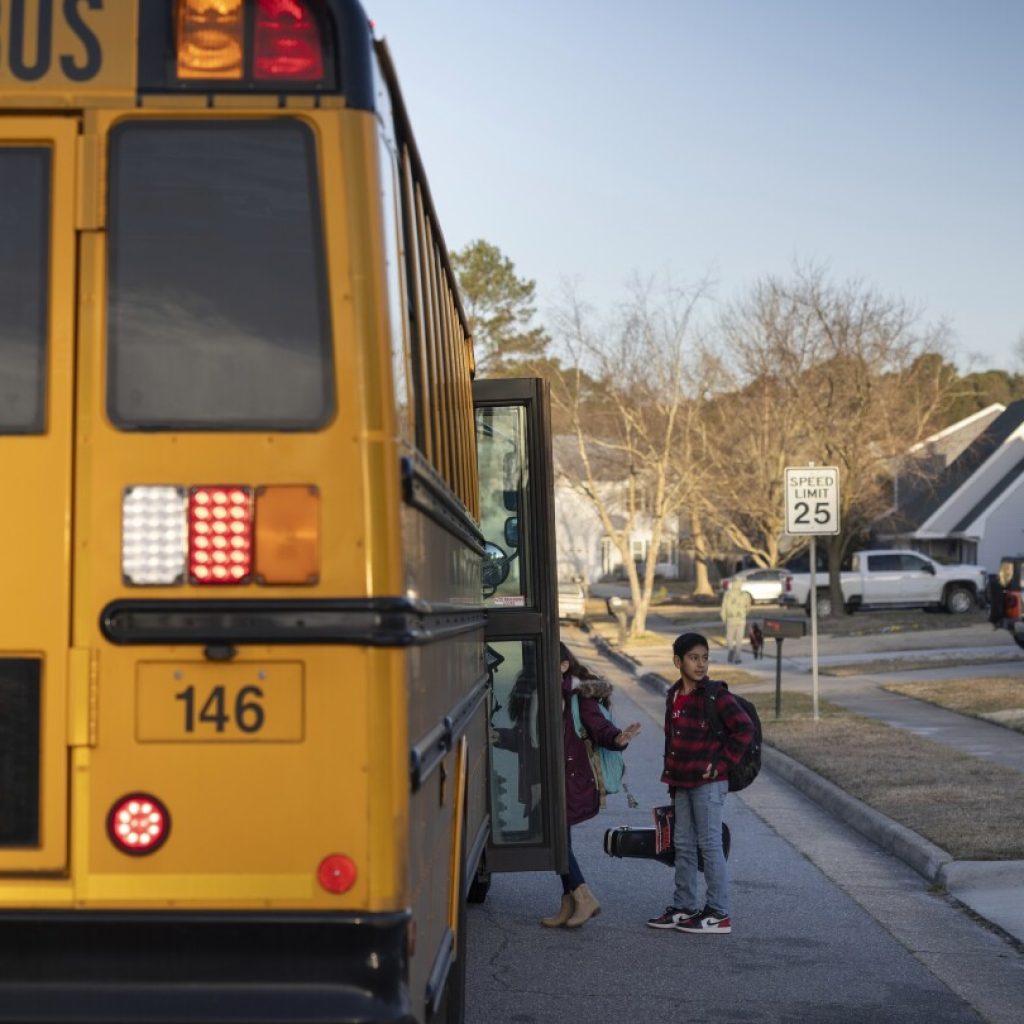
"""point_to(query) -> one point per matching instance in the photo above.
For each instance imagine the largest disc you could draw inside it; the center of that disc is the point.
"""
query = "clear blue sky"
(592, 140)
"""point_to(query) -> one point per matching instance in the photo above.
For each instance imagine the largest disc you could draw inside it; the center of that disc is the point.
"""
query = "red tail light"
(789, 584)
(337, 873)
(1012, 605)
(287, 42)
(220, 534)
(138, 823)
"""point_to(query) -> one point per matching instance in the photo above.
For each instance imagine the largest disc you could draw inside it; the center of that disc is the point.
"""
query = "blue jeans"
(699, 824)
(574, 879)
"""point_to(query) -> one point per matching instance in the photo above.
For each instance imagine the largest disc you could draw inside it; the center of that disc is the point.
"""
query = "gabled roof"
(998, 489)
(950, 442)
(989, 463)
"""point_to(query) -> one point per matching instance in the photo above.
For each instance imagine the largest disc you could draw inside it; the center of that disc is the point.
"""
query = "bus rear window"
(24, 262)
(218, 315)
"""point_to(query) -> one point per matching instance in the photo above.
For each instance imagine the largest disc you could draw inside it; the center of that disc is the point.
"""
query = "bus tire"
(480, 886)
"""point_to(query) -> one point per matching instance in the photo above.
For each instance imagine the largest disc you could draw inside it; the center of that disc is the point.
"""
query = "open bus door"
(526, 770)
(37, 333)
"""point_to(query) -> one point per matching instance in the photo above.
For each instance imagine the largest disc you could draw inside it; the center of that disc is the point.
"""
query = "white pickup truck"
(893, 579)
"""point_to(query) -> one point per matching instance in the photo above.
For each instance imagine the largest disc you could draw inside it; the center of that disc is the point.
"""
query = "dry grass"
(967, 806)
(996, 699)
(887, 666)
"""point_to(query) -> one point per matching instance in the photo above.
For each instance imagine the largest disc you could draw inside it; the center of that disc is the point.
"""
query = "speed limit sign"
(812, 499)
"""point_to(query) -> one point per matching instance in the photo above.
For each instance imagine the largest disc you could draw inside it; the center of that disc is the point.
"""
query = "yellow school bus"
(276, 568)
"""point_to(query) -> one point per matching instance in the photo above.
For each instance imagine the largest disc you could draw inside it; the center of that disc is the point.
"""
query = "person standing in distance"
(736, 603)
(697, 775)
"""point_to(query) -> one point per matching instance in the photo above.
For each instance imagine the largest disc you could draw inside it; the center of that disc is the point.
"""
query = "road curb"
(929, 860)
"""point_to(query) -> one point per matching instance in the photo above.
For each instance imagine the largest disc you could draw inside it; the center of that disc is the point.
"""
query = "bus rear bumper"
(168, 968)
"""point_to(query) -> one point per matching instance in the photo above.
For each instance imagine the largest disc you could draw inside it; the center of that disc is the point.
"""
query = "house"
(972, 508)
(584, 549)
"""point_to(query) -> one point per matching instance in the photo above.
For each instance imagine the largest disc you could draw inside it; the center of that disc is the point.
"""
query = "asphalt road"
(826, 928)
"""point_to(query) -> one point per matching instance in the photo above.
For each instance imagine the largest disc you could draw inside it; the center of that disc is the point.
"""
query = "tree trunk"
(835, 587)
(702, 583)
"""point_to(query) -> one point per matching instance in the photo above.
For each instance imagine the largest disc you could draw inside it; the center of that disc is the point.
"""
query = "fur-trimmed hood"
(597, 689)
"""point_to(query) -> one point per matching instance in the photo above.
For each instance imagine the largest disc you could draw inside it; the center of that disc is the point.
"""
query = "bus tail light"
(219, 534)
(138, 824)
(210, 39)
(287, 534)
(336, 873)
(287, 43)
(153, 535)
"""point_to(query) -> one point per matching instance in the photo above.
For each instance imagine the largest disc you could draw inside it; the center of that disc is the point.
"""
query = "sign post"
(812, 507)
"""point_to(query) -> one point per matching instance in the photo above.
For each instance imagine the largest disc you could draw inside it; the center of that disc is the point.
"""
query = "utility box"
(783, 628)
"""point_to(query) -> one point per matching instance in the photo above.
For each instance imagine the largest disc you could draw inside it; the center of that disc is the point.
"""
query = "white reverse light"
(153, 535)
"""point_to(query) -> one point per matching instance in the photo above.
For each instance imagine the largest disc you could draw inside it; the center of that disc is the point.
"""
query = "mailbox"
(781, 629)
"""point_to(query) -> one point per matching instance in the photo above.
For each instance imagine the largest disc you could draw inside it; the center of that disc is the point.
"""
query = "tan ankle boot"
(563, 915)
(586, 907)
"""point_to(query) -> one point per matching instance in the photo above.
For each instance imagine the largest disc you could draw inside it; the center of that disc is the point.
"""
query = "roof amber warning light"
(286, 41)
(210, 34)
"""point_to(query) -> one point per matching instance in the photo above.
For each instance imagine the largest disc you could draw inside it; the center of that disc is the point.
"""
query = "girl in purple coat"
(582, 799)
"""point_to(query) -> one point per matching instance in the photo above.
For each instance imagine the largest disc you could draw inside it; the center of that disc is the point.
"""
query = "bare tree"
(627, 396)
(756, 427)
(819, 373)
(876, 387)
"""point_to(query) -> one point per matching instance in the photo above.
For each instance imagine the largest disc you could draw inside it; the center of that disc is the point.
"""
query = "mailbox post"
(780, 629)
(620, 611)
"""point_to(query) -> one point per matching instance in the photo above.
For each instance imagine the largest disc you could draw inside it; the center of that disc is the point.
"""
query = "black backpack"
(742, 774)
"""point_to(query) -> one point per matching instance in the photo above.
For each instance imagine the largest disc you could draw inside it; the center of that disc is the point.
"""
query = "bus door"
(37, 318)
(526, 778)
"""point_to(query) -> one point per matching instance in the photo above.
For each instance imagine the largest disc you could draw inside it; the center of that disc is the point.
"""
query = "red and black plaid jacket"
(690, 743)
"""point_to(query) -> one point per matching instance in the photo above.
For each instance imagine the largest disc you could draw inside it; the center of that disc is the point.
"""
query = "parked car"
(894, 578)
(572, 604)
(763, 585)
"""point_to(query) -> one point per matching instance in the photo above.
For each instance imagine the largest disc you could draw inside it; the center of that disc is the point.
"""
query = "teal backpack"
(608, 765)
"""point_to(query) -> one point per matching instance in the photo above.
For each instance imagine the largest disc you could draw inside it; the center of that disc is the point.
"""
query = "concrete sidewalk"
(992, 889)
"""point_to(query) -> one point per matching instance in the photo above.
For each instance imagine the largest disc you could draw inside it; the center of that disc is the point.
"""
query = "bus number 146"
(246, 714)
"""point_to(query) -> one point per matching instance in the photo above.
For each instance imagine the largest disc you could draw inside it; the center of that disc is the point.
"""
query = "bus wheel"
(481, 885)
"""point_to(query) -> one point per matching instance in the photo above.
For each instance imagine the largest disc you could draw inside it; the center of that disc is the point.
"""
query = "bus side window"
(504, 507)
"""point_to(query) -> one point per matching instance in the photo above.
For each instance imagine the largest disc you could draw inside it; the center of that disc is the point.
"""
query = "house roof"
(923, 503)
(951, 441)
(1015, 471)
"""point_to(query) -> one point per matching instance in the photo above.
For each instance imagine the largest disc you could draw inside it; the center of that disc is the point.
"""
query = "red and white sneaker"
(707, 922)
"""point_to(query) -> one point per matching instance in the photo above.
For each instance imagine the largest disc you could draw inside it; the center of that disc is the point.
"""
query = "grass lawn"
(967, 806)
(996, 699)
(886, 666)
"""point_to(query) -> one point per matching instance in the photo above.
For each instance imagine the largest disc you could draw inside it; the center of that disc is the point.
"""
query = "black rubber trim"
(373, 622)
(439, 972)
(201, 967)
(430, 751)
(475, 853)
(424, 490)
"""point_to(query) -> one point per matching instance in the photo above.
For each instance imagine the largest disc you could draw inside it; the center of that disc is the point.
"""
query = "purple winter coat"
(582, 800)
